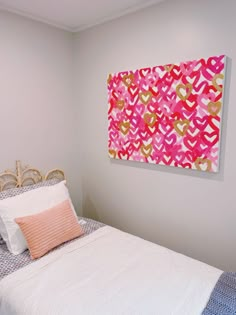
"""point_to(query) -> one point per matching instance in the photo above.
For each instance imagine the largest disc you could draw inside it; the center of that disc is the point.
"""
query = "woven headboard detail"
(24, 176)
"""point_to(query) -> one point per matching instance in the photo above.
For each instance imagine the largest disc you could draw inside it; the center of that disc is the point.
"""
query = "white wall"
(53, 104)
(37, 113)
(186, 211)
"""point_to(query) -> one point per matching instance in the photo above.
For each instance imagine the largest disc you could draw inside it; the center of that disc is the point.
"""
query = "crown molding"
(83, 27)
(36, 18)
(112, 17)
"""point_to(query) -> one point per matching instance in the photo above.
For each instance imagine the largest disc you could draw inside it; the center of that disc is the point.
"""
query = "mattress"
(10, 263)
(109, 272)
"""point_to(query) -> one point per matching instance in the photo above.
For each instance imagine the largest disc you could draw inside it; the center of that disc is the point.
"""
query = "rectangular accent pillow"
(28, 203)
(50, 228)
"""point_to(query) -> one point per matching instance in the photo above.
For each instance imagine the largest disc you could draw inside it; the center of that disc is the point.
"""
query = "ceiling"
(74, 15)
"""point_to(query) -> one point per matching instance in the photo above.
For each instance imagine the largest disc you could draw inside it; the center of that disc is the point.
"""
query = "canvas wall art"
(169, 115)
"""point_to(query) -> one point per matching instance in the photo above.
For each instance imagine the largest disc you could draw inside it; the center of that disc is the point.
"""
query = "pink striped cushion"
(50, 228)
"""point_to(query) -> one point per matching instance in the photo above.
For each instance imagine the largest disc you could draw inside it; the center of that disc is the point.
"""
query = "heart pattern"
(169, 115)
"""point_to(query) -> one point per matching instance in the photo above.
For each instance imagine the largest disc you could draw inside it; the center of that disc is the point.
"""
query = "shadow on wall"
(89, 210)
(194, 173)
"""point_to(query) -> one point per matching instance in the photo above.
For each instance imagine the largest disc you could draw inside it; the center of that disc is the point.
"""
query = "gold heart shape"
(168, 68)
(128, 79)
(214, 81)
(181, 126)
(214, 108)
(146, 150)
(203, 164)
(187, 89)
(112, 154)
(124, 127)
(109, 78)
(145, 97)
(120, 104)
(150, 119)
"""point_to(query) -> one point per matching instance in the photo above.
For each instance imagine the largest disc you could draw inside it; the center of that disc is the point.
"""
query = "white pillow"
(28, 203)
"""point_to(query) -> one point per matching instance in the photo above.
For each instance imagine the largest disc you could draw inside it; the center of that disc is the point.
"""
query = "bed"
(106, 271)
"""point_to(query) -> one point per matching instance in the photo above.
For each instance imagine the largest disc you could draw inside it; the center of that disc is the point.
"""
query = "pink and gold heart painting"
(169, 115)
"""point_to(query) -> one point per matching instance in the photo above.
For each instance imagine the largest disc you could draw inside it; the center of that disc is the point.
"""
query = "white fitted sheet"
(109, 272)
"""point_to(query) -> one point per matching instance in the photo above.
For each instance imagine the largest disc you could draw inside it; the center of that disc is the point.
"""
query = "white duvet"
(109, 272)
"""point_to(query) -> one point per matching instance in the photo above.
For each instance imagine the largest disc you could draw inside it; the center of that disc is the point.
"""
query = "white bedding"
(109, 272)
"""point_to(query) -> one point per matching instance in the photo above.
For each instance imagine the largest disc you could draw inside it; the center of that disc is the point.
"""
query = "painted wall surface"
(37, 114)
(54, 114)
(187, 211)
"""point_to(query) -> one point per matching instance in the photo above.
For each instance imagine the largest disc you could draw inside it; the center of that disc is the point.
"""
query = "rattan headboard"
(24, 176)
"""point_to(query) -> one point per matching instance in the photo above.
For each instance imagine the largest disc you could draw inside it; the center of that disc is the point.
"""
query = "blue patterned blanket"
(223, 298)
